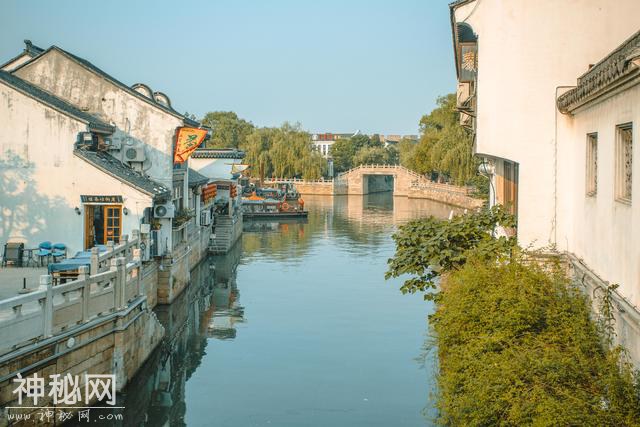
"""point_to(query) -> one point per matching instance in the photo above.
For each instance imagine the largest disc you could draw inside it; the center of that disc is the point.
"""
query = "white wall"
(603, 232)
(136, 119)
(213, 168)
(526, 49)
(42, 180)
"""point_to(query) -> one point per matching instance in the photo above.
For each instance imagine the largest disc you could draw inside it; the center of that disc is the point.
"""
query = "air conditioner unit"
(164, 211)
(205, 218)
(134, 154)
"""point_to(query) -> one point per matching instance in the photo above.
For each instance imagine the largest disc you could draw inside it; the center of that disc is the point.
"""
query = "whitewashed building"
(565, 172)
(222, 167)
(113, 167)
(49, 184)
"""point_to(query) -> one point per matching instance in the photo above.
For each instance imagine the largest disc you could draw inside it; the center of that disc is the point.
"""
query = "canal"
(295, 327)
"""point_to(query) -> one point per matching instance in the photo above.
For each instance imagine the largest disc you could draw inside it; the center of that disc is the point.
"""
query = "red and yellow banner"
(187, 140)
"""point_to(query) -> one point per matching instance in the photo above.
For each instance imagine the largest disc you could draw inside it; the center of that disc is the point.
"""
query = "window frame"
(623, 188)
(591, 165)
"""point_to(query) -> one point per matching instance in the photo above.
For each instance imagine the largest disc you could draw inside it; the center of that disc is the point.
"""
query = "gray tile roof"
(29, 49)
(612, 71)
(123, 86)
(54, 102)
(196, 178)
(212, 153)
(123, 172)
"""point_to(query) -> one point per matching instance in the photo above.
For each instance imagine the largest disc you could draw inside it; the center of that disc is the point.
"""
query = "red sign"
(187, 140)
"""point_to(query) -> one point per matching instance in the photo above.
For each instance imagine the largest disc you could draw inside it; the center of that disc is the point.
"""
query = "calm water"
(295, 327)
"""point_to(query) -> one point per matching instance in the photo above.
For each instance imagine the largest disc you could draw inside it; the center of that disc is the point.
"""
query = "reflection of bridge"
(366, 179)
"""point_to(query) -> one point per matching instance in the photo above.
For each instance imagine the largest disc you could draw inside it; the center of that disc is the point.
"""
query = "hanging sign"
(468, 62)
(187, 140)
(100, 199)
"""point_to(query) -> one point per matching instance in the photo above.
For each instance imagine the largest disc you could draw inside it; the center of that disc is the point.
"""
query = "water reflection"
(329, 342)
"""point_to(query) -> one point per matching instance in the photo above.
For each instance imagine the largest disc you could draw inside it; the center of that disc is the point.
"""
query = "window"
(510, 187)
(177, 196)
(592, 164)
(624, 162)
(112, 227)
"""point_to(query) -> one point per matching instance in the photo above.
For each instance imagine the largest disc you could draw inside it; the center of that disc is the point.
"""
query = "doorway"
(102, 224)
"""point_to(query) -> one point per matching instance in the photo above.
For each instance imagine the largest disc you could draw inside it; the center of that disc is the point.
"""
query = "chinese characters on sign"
(187, 140)
(100, 199)
(67, 389)
(468, 62)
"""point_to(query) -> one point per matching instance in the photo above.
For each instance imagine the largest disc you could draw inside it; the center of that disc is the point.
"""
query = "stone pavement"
(11, 279)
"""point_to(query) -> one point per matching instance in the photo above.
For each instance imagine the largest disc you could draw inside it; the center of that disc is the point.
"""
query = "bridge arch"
(356, 179)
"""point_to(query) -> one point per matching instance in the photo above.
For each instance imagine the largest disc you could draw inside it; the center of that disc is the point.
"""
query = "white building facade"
(514, 61)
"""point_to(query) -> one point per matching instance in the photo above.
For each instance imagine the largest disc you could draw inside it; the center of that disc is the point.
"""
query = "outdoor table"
(68, 269)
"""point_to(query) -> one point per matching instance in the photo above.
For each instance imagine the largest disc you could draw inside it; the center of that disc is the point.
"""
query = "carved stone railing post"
(120, 281)
(95, 264)
(124, 241)
(136, 238)
(83, 274)
(121, 263)
(47, 306)
(110, 246)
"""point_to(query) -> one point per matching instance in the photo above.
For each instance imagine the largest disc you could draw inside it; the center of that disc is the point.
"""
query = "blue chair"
(44, 250)
(59, 251)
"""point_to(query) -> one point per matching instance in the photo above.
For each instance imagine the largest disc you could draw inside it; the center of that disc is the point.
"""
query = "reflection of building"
(226, 309)
(207, 308)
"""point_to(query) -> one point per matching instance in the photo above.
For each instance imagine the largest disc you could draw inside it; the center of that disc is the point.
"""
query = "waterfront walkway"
(11, 279)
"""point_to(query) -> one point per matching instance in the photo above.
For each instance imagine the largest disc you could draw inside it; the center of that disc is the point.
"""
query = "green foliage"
(228, 130)
(517, 346)
(406, 149)
(342, 152)
(371, 155)
(375, 141)
(429, 247)
(444, 146)
(361, 150)
(360, 141)
(481, 185)
(283, 152)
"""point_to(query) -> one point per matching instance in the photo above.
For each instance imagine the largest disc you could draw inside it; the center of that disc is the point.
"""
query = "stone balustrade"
(111, 282)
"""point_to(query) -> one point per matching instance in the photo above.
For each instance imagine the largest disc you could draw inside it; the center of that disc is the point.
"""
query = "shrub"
(517, 346)
(428, 247)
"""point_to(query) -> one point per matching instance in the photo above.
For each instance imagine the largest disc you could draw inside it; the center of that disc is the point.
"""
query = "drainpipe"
(555, 167)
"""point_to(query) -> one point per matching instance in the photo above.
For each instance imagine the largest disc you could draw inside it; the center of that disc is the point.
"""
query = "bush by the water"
(517, 347)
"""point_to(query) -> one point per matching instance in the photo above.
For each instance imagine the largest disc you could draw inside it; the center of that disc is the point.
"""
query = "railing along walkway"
(109, 285)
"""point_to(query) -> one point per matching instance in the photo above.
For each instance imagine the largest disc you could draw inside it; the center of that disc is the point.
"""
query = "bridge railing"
(436, 186)
(419, 182)
(274, 180)
(51, 310)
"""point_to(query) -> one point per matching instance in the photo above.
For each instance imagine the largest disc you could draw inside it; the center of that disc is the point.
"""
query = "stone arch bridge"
(367, 179)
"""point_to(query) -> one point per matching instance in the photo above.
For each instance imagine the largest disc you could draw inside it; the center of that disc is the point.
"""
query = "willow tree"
(444, 146)
(257, 148)
(284, 152)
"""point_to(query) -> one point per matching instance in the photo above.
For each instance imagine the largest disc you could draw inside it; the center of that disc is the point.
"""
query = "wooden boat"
(256, 207)
(276, 215)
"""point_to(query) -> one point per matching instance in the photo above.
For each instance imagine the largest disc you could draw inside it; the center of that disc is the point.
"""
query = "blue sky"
(334, 66)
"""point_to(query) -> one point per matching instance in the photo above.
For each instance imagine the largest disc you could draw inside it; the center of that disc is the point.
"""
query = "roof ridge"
(122, 172)
(52, 101)
(97, 70)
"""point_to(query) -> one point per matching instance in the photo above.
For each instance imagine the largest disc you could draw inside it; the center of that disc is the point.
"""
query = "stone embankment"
(367, 179)
(99, 324)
